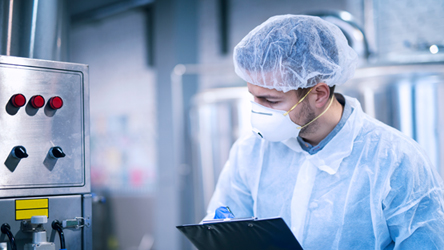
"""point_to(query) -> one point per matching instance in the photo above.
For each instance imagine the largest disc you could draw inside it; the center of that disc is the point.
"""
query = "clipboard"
(241, 234)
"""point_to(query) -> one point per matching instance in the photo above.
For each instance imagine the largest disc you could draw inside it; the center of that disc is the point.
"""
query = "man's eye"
(272, 102)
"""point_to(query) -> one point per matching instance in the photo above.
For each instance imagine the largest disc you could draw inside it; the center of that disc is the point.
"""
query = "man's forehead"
(265, 92)
(267, 79)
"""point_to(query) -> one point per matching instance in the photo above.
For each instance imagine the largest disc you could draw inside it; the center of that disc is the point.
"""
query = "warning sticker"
(25, 209)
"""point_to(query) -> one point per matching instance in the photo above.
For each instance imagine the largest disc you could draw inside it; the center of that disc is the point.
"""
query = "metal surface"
(34, 29)
(40, 129)
(60, 208)
(87, 215)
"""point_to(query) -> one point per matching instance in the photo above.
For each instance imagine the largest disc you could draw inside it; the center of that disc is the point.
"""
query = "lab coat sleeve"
(413, 206)
(232, 189)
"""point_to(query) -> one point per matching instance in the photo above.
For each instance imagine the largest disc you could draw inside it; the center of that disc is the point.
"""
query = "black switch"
(19, 152)
(57, 152)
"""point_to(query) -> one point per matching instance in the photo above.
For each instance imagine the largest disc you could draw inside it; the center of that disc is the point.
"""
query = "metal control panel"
(45, 190)
(44, 121)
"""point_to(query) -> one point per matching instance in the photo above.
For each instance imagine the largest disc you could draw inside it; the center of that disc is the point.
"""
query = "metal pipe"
(9, 36)
(33, 27)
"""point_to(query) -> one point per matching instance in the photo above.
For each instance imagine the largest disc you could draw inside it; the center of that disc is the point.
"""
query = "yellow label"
(27, 214)
(31, 204)
(25, 209)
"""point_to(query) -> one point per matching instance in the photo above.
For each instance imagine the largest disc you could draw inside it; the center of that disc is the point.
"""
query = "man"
(339, 178)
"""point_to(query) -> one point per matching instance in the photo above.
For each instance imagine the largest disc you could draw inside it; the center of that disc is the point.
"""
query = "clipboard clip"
(228, 219)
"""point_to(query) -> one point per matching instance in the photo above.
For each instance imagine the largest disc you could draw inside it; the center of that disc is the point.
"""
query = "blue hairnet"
(289, 52)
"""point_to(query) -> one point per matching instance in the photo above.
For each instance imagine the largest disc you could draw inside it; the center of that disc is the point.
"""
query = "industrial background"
(165, 104)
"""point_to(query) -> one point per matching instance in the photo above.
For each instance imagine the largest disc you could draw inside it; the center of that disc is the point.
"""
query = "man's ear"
(321, 94)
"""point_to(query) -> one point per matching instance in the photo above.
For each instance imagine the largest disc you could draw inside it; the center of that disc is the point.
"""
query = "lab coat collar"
(340, 146)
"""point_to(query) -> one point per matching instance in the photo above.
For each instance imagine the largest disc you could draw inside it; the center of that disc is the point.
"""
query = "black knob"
(57, 152)
(19, 152)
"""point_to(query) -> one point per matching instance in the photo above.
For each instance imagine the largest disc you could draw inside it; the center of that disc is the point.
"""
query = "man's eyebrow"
(266, 96)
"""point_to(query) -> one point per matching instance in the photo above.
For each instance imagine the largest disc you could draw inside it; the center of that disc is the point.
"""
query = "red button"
(37, 101)
(18, 100)
(55, 102)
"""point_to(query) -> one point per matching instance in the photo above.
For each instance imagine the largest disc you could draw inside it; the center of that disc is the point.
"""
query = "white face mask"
(271, 124)
(276, 125)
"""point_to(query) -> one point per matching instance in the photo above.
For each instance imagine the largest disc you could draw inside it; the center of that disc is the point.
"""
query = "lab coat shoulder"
(389, 144)
(394, 150)
(412, 190)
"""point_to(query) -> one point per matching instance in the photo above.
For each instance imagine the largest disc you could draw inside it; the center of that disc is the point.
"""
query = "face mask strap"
(318, 115)
(286, 113)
